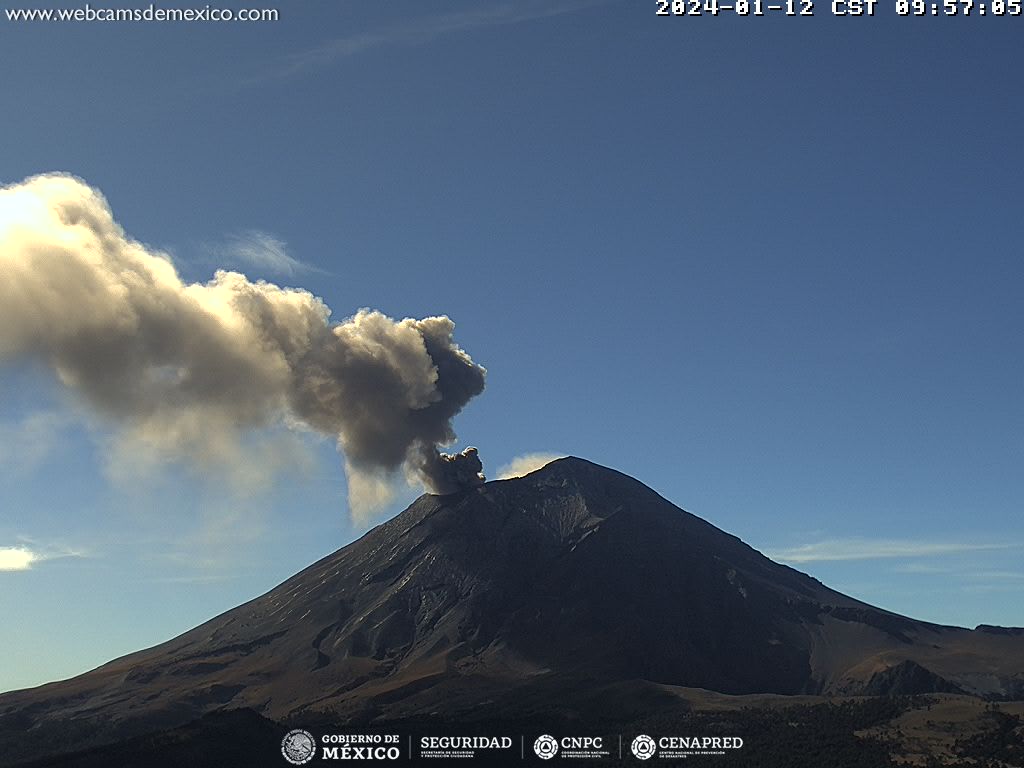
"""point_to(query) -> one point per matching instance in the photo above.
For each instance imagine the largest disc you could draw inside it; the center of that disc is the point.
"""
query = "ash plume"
(186, 369)
(450, 472)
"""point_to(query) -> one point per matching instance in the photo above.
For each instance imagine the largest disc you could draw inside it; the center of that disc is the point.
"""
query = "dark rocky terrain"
(574, 592)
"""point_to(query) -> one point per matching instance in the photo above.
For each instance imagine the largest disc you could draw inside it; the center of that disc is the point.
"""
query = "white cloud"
(263, 251)
(28, 553)
(16, 558)
(871, 549)
(527, 463)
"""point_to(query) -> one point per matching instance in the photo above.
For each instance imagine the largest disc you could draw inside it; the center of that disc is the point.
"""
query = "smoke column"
(188, 368)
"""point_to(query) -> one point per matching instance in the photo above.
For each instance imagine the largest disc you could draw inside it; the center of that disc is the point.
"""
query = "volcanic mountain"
(576, 579)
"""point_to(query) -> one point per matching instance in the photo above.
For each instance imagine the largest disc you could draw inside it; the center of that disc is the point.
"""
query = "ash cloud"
(187, 369)
(450, 473)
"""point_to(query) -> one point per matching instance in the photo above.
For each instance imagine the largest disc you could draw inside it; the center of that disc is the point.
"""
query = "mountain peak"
(573, 467)
(572, 576)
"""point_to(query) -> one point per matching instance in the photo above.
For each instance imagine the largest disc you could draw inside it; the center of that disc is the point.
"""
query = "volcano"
(575, 579)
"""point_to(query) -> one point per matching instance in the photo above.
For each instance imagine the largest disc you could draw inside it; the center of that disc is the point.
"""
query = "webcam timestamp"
(838, 7)
(762, 7)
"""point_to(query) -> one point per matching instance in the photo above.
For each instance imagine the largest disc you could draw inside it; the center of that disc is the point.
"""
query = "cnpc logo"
(643, 747)
(546, 746)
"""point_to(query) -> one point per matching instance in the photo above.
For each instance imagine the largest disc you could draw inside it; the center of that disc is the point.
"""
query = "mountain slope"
(576, 575)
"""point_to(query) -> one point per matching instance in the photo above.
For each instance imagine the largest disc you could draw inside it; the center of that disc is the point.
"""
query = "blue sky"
(769, 266)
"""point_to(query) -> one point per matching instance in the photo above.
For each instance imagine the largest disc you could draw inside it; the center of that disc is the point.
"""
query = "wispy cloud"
(216, 578)
(259, 250)
(525, 464)
(962, 575)
(26, 444)
(220, 538)
(26, 555)
(426, 30)
(926, 569)
(872, 549)
(1004, 576)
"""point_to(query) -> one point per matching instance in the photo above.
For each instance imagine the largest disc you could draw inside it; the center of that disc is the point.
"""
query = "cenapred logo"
(643, 747)
(298, 747)
(546, 747)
